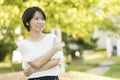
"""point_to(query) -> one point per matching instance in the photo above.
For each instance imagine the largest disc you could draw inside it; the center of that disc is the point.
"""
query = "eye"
(42, 18)
(36, 18)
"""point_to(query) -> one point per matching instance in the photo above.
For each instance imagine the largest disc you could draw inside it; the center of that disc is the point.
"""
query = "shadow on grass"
(5, 70)
(10, 67)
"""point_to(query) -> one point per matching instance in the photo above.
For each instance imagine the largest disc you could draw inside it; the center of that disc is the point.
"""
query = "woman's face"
(37, 22)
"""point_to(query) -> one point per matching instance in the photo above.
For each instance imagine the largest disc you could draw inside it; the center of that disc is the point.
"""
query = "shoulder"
(22, 42)
(51, 35)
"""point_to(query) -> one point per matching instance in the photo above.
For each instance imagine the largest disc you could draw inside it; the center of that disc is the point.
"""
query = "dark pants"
(45, 78)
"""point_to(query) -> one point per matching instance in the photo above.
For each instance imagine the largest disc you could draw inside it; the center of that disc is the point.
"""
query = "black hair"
(28, 15)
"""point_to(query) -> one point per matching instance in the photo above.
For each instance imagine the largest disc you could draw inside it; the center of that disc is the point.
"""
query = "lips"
(40, 26)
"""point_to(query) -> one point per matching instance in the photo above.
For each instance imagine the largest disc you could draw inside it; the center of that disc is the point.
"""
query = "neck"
(35, 35)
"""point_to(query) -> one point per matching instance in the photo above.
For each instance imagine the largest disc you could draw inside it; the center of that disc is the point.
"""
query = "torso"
(32, 50)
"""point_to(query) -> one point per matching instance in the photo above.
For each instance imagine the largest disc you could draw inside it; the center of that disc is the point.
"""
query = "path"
(64, 76)
(101, 68)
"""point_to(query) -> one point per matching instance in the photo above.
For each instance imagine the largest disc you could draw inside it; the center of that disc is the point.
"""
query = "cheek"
(44, 23)
(32, 23)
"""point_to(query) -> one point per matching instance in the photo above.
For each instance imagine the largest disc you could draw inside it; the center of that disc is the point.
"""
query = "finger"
(56, 59)
(54, 41)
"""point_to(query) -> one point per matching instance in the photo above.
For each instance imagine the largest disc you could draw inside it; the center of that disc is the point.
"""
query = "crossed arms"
(44, 62)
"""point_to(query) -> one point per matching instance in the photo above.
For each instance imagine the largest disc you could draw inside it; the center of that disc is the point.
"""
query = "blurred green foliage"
(7, 67)
(76, 18)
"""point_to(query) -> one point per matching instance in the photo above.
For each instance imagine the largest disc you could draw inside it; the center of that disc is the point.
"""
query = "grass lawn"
(6, 67)
(115, 69)
(90, 60)
(88, 64)
(113, 72)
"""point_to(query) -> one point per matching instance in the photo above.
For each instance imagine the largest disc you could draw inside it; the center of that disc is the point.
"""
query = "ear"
(27, 24)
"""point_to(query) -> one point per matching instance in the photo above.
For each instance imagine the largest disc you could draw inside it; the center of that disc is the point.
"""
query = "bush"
(16, 66)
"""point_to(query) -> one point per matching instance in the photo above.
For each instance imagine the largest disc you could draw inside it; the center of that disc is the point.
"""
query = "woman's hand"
(29, 71)
(57, 46)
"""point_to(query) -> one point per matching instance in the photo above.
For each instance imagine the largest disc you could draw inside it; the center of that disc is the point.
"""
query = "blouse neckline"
(38, 41)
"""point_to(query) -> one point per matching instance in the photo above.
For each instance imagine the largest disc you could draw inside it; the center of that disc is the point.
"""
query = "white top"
(32, 50)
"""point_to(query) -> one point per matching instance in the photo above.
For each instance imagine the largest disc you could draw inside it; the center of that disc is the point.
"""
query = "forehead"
(38, 14)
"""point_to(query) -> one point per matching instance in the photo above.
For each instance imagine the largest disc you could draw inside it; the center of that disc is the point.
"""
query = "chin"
(39, 30)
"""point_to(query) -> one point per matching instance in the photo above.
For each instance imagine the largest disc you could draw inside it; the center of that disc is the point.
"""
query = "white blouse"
(32, 50)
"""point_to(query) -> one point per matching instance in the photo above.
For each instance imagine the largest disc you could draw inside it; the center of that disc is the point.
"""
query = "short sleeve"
(26, 56)
(59, 54)
(56, 38)
(20, 46)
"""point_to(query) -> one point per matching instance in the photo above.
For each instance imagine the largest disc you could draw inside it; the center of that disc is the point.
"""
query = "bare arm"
(42, 60)
(50, 64)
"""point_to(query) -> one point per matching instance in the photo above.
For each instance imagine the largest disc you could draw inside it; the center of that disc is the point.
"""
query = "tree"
(76, 18)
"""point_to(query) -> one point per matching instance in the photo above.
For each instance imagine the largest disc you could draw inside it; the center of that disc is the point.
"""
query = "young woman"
(41, 53)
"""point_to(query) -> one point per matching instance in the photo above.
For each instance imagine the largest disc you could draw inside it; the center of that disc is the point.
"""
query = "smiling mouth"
(39, 27)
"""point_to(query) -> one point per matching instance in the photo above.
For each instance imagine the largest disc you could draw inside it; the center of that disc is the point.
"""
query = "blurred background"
(88, 29)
